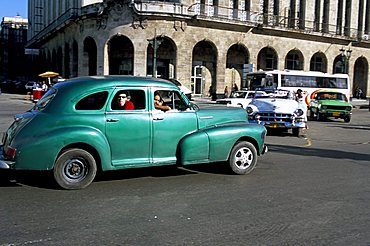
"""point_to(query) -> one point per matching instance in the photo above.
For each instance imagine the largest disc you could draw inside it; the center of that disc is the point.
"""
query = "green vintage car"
(79, 127)
(330, 104)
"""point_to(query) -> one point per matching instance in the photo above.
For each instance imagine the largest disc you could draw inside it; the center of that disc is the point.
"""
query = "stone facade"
(218, 45)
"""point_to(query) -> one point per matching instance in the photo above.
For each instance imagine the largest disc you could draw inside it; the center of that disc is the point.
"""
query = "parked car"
(278, 110)
(330, 104)
(240, 98)
(183, 88)
(76, 129)
(30, 85)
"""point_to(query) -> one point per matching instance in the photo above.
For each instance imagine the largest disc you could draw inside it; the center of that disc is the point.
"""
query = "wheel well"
(87, 148)
(252, 141)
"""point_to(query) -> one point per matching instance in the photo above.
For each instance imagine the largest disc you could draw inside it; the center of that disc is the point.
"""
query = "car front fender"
(215, 143)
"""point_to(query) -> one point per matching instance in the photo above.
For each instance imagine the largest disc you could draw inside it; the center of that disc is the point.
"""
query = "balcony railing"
(69, 15)
(209, 13)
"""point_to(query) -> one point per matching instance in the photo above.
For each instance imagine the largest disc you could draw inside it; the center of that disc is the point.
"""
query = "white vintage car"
(278, 110)
(240, 98)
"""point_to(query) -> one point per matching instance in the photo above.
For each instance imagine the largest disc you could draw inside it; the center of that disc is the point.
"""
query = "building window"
(339, 17)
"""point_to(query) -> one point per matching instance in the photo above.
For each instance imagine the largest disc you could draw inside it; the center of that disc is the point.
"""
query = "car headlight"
(348, 108)
(323, 107)
(299, 112)
(249, 110)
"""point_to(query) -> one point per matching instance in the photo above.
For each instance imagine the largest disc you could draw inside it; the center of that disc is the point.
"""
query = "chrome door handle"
(112, 120)
(158, 118)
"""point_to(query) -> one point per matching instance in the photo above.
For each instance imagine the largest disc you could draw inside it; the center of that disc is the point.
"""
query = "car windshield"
(239, 94)
(44, 101)
(275, 94)
(330, 96)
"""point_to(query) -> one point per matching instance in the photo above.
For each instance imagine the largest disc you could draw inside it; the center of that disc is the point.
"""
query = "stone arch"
(294, 60)
(267, 59)
(165, 58)
(204, 68)
(319, 62)
(360, 77)
(236, 60)
(121, 55)
(90, 55)
(339, 65)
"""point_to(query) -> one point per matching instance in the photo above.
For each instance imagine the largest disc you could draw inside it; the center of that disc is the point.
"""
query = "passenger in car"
(159, 104)
(123, 102)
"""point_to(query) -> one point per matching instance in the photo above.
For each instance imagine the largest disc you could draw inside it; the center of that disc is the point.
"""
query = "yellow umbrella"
(48, 74)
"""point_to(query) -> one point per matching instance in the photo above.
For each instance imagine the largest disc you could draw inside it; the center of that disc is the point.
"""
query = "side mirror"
(193, 106)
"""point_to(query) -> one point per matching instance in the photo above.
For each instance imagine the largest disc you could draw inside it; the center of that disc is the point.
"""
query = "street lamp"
(155, 42)
(346, 54)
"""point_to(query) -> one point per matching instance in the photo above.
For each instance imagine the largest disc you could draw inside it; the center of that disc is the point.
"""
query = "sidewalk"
(16, 97)
(360, 103)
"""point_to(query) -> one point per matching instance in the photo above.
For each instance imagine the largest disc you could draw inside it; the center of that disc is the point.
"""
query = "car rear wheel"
(75, 169)
(243, 158)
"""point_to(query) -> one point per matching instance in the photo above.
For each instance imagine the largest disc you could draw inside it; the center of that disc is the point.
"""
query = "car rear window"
(94, 101)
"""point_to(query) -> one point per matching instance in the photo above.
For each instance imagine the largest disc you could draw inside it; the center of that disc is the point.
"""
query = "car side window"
(131, 99)
(172, 99)
(95, 101)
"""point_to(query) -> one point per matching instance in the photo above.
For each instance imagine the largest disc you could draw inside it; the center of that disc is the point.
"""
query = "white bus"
(308, 82)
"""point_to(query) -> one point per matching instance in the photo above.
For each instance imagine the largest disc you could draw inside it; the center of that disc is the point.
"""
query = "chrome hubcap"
(243, 158)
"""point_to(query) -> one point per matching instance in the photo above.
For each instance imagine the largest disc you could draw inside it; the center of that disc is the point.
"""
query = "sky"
(13, 7)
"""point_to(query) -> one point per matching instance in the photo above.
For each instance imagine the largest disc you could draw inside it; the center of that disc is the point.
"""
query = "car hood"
(218, 116)
(334, 103)
(276, 105)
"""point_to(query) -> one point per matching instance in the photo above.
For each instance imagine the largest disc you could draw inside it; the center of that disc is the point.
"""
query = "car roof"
(114, 80)
(71, 90)
(328, 91)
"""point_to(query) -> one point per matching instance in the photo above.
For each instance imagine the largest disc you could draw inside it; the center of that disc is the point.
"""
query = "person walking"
(226, 92)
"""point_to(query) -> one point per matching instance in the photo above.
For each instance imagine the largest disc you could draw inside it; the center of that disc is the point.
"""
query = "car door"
(128, 131)
(171, 126)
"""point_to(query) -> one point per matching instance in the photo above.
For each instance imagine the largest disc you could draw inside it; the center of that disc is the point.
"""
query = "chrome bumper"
(265, 149)
(3, 164)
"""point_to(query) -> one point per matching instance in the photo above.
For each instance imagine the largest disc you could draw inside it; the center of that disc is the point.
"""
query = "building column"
(100, 57)
(220, 73)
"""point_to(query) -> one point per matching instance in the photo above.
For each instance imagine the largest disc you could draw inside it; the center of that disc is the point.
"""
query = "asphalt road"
(304, 191)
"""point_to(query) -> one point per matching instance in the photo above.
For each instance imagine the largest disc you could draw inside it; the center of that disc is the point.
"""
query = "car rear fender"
(45, 149)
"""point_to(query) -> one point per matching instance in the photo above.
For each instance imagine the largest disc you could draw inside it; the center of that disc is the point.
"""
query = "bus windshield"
(261, 81)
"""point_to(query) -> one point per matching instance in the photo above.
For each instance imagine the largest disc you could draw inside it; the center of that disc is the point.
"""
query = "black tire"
(297, 131)
(243, 158)
(319, 117)
(74, 169)
(312, 115)
(347, 118)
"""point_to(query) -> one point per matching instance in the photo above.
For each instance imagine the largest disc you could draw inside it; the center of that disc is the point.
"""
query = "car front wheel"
(243, 158)
(75, 169)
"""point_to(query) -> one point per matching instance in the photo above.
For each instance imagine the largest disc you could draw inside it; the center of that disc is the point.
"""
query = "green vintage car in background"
(77, 129)
(330, 104)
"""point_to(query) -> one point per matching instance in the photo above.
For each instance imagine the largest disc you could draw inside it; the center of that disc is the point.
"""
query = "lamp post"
(155, 42)
(346, 54)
